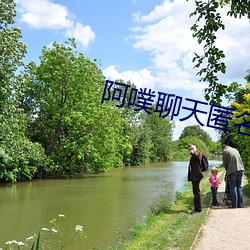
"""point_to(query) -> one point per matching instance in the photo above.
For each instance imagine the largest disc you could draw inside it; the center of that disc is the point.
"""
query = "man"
(235, 170)
(195, 175)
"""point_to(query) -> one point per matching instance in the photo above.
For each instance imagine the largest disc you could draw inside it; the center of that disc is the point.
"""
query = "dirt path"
(225, 228)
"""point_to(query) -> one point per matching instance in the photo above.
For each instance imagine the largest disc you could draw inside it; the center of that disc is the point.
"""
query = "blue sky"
(148, 42)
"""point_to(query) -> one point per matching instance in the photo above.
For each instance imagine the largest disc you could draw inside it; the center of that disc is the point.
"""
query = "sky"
(147, 42)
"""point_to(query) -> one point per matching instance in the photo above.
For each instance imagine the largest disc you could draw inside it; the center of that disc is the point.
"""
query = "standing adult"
(235, 169)
(195, 175)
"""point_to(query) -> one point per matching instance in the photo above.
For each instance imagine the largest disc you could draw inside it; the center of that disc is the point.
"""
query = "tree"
(149, 135)
(208, 23)
(19, 157)
(161, 133)
(183, 144)
(196, 131)
(78, 132)
(241, 137)
(12, 50)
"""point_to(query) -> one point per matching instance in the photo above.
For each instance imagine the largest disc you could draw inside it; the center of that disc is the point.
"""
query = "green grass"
(246, 188)
(170, 226)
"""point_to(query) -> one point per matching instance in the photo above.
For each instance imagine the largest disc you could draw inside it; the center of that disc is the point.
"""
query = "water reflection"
(105, 204)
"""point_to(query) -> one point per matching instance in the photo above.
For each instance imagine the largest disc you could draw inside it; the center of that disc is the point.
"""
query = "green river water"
(104, 204)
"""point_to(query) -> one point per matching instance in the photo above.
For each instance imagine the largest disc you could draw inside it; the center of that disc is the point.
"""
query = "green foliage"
(241, 103)
(207, 24)
(151, 139)
(149, 136)
(183, 144)
(78, 132)
(161, 130)
(196, 131)
(215, 147)
(12, 50)
(20, 159)
(52, 121)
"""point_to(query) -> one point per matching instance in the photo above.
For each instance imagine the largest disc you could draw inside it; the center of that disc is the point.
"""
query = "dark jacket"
(194, 168)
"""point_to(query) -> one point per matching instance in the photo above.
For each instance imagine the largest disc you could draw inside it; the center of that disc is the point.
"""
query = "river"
(105, 204)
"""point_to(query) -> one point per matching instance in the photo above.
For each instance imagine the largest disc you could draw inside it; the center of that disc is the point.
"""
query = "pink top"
(214, 181)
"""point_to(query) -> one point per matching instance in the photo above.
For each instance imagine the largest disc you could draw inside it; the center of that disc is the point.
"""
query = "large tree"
(19, 157)
(208, 23)
(67, 117)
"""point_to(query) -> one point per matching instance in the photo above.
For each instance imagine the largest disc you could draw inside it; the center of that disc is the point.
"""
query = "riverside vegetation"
(53, 123)
(170, 226)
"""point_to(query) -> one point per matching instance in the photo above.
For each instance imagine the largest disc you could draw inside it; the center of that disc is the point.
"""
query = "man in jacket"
(235, 170)
(195, 175)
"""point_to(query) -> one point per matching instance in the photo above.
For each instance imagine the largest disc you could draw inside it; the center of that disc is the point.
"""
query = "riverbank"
(171, 227)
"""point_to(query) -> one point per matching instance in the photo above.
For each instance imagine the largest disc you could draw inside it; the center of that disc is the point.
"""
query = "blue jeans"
(214, 196)
(235, 182)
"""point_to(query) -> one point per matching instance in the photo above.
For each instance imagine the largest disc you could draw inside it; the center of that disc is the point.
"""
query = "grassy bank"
(170, 227)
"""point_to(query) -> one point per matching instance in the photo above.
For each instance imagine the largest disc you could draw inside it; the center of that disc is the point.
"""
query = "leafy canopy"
(205, 28)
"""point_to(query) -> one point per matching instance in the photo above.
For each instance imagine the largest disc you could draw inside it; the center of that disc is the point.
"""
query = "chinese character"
(168, 107)
(106, 85)
(244, 124)
(145, 100)
(132, 97)
(117, 92)
(194, 111)
(221, 116)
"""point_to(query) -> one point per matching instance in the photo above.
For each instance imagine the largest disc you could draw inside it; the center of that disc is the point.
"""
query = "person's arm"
(224, 158)
(213, 179)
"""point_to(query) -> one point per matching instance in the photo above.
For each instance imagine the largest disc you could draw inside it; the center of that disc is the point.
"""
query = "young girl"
(214, 185)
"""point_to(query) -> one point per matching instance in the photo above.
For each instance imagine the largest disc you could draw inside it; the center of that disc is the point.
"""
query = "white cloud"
(165, 33)
(83, 34)
(159, 12)
(44, 14)
(234, 41)
(142, 78)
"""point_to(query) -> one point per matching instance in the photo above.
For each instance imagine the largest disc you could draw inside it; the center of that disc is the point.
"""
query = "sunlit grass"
(170, 226)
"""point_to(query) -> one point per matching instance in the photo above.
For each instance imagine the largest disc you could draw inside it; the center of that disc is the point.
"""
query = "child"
(214, 185)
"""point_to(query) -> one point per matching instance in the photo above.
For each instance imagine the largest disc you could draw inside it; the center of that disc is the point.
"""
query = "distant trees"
(152, 139)
(183, 144)
(196, 131)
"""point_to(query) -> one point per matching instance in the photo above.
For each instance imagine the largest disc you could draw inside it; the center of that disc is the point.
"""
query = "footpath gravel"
(225, 228)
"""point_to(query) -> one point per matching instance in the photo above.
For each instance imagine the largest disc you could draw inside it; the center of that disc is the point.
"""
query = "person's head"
(214, 171)
(224, 146)
(192, 148)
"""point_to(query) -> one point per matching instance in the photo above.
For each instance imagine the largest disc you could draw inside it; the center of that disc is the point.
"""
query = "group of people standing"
(234, 167)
